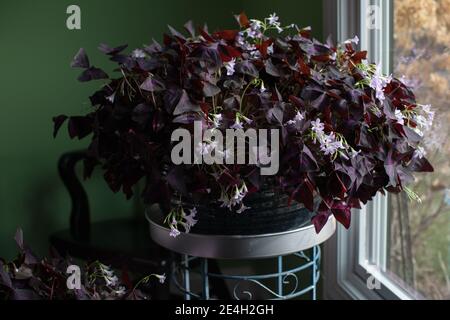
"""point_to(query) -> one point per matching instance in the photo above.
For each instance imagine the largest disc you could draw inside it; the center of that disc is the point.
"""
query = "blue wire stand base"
(285, 283)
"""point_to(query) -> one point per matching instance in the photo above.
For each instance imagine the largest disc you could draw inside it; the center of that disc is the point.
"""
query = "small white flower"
(237, 125)
(354, 153)
(329, 145)
(429, 116)
(193, 211)
(297, 120)
(247, 120)
(121, 291)
(161, 277)
(111, 281)
(427, 108)
(291, 122)
(418, 131)
(190, 221)
(255, 29)
(278, 27)
(174, 232)
(273, 18)
(217, 120)
(263, 88)
(224, 199)
(203, 148)
(378, 82)
(242, 208)
(138, 53)
(112, 97)
(235, 199)
(354, 40)
(230, 66)
(255, 24)
(299, 116)
(399, 117)
(270, 49)
(419, 152)
(317, 126)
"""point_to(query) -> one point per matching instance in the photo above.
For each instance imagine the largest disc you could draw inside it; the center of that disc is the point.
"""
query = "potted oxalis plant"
(343, 131)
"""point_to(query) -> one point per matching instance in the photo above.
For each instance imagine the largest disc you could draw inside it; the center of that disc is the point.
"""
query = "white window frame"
(355, 257)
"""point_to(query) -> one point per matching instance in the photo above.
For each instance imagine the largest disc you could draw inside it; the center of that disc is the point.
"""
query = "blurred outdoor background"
(419, 249)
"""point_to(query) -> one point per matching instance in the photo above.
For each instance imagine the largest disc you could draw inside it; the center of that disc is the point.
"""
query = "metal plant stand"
(278, 291)
(196, 250)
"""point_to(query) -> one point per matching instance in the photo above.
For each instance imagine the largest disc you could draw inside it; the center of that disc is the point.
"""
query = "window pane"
(419, 234)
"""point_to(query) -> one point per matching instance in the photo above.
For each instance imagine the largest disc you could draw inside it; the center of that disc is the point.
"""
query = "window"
(397, 248)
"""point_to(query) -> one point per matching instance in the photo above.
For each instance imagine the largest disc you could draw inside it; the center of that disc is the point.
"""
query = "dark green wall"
(37, 83)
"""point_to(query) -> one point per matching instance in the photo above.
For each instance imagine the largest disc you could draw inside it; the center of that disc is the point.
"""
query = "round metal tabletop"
(239, 246)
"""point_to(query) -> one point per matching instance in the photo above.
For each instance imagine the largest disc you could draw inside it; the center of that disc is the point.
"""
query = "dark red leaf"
(111, 51)
(189, 26)
(79, 126)
(92, 73)
(243, 20)
(57, 123)
(80, 60)
(320, 219)
(152, 84)
(342, 213)
(185, 105)
(228, 35)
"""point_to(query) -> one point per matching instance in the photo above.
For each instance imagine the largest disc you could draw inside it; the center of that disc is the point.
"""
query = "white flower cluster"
(296, 122)
(186, 220)
(207, 148)
(111, 280)
(329, 143)
(255, 32)
(354, 40)
(235, 198)
(204, 148)
(230, 66)
(399, 117)
(240, 119)
(108, 275)
(217, 119)
(425, 119)
(419, 152)
(378, 82)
